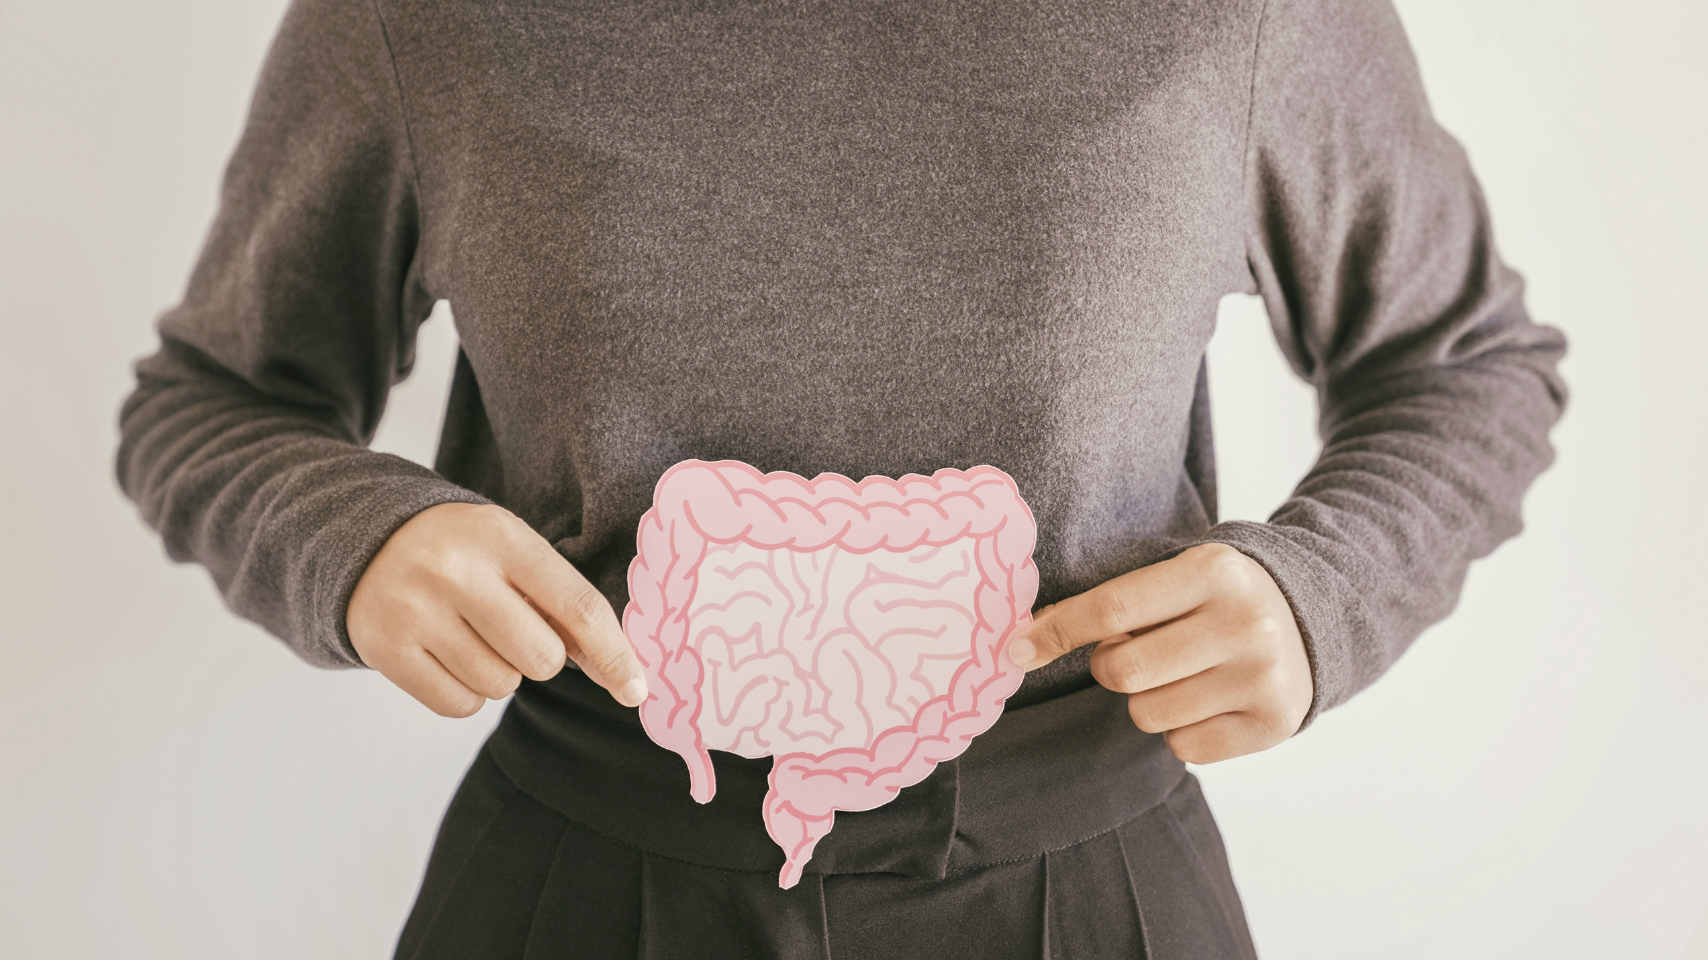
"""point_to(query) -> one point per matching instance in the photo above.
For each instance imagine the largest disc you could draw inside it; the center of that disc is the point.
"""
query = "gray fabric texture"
(876, 237)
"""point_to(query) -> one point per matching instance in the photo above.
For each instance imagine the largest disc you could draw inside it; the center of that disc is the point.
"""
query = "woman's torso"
(866, 238)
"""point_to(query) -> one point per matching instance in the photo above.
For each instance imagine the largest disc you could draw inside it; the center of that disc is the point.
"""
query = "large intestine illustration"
(852, 631)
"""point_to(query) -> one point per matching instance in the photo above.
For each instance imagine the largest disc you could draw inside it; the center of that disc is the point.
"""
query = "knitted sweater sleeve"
(1369, 241)
(243, 442)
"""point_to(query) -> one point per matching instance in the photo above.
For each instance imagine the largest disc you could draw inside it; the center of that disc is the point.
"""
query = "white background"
(1531, 780)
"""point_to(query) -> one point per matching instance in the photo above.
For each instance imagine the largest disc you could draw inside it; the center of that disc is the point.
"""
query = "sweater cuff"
(346, 546)
(1314, 590)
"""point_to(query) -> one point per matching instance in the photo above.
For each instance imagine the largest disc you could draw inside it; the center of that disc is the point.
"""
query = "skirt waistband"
(1046, 776)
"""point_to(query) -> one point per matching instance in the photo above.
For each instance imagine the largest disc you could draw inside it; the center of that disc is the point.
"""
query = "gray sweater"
(870, 237)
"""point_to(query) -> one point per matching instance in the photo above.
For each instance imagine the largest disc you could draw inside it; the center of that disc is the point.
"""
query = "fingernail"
(1021, 651)
(634, 693)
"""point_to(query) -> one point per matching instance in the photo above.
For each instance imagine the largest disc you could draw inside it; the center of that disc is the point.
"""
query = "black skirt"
(540, 860)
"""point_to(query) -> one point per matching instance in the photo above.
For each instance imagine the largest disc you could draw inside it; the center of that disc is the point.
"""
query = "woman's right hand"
(465, 600)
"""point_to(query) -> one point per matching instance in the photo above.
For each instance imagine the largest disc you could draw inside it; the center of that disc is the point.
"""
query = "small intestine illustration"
(851, 630)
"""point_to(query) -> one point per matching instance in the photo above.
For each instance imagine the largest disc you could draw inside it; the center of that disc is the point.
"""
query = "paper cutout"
(851, 631)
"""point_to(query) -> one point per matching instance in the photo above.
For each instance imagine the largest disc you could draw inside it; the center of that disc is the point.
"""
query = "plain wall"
(1531, 780)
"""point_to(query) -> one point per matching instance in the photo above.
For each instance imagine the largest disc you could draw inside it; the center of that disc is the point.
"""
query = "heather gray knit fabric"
(873, 237)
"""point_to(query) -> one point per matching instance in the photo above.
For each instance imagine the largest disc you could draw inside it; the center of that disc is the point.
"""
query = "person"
(868, 238)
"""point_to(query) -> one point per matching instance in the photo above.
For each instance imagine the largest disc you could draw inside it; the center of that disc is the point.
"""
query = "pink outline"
(696, 503)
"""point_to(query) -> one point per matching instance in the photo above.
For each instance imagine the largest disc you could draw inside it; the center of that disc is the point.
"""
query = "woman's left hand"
(1204, 645)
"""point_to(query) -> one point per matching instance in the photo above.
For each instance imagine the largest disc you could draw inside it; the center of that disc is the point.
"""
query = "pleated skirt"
(510, 877)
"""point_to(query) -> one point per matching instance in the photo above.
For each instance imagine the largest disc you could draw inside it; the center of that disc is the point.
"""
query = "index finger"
(564, 595)
(1133, 601)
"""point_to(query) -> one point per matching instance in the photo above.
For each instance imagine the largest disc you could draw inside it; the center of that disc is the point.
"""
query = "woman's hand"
(465, 600)
(1204, 644)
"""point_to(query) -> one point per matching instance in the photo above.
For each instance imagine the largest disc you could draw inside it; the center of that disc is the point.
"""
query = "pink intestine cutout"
(698, 504)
